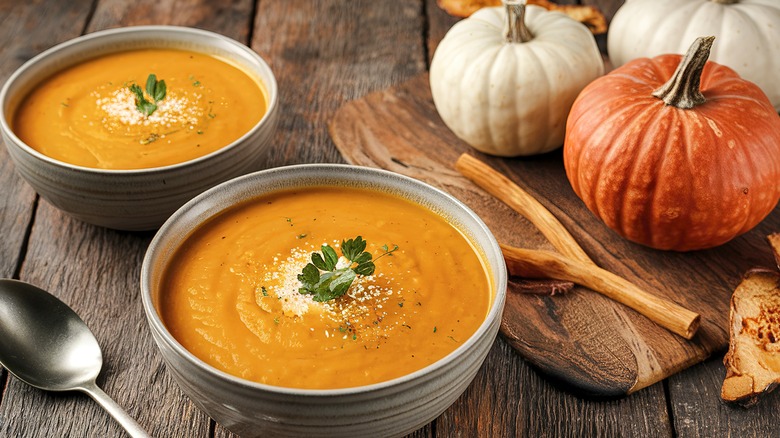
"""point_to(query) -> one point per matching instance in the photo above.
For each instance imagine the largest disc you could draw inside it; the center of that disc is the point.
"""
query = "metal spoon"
(45, 344)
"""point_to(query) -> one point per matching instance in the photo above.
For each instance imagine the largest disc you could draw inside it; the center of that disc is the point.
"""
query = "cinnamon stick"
(522, 202)
(546, 264)
(573, 264)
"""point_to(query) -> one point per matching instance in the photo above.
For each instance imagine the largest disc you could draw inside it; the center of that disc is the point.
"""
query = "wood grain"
(524, 403)
(18, 20)
(588, 342)
(325, 53)
(231, 18)
(698, 411)
(20, 43)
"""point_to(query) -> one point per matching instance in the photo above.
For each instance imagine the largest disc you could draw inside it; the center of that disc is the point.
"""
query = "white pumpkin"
(507, 95)
(747, 35)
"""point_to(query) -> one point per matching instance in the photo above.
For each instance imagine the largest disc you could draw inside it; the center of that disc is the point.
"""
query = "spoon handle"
(116, 411)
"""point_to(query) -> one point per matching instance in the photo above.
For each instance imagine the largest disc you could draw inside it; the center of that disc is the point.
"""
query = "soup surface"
(231, 292)
(90, 115)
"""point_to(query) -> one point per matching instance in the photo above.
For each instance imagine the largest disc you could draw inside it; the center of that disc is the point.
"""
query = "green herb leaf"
(146, 107)
(156, 91)
(362, 258)
(151, 83)
(367, 268)
(331, 258)
(352, 248)
(309, 278)
(160, 91)
(339, 288)
(327, 260)
(319, 262)
(337, 285)
(139, 93)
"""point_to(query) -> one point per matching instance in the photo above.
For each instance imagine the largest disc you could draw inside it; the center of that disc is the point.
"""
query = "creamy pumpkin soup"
(282, 290)
(140, 109)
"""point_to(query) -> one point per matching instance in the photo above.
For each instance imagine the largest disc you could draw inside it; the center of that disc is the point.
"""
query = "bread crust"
(753, 359)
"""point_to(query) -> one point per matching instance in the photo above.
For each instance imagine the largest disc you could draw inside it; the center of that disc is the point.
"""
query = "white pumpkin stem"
(682, 90)
(725, 2)
(517, 30)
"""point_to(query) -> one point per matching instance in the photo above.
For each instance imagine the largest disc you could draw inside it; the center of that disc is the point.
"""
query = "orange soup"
(105, 114)
(232, 294)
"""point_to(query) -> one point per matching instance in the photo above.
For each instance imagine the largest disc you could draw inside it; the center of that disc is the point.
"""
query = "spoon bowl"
(45, 344)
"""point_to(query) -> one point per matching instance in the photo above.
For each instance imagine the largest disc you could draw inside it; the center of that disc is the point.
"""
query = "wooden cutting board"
(586, 342)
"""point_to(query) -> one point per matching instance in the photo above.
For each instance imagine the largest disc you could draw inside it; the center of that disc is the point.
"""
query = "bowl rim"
(271, 91)
(156, 324)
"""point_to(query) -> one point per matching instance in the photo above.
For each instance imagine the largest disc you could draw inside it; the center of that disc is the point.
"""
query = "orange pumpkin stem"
(682, 90)
(517, 30)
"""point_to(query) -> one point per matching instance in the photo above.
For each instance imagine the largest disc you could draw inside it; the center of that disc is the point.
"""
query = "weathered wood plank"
(18, 20)
(439, 23)
(232, 18)
(326, 53)
(97, 272)
(697, 410)
(522, 402)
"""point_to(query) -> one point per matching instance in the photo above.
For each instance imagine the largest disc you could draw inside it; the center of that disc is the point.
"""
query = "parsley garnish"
(156, 91)
(324, 282)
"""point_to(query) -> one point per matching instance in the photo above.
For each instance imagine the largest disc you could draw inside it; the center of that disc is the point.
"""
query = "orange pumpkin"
(673, 154)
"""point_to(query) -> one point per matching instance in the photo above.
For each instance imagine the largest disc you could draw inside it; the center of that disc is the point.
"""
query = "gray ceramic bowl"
(391, 408)
(134, 199)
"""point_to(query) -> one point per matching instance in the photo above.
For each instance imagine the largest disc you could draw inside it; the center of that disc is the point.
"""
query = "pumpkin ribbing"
(670, 178)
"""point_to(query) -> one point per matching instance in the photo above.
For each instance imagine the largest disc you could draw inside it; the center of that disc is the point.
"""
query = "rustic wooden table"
(324, 53)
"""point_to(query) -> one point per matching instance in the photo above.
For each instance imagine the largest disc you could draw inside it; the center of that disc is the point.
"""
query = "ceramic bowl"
(134, 199)
(391, 408)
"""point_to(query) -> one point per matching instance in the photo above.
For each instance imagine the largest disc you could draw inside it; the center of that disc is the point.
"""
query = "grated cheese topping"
(179, 110)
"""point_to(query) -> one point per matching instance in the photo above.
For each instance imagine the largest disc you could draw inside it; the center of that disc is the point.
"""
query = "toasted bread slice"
(753, 359)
